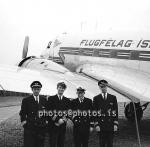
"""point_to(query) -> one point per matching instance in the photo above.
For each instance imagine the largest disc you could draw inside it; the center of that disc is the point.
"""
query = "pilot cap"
(62, 84)
(36, 84)
(80, 89)
(102, 83)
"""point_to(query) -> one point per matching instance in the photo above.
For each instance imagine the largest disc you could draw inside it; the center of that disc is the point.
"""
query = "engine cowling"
(130, 114)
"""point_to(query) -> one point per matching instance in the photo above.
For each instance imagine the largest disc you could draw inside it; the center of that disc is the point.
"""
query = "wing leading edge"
(18, 79)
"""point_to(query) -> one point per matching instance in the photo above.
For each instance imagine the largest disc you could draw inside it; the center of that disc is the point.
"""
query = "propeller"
(25, 47)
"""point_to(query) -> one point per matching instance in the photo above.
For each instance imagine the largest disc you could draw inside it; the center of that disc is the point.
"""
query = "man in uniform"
(81, 107)
(34, 124)
(58, 104)
(106, 122)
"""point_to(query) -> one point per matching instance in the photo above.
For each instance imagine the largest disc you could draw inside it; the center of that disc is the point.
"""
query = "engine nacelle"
(130, 114)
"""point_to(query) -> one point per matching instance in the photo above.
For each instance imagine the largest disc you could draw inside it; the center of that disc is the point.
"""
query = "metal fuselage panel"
(125, 49)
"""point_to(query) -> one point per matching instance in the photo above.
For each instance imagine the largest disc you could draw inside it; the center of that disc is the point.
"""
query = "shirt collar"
(36, 97)
(105, 95)
(81, 100)
(60, 96)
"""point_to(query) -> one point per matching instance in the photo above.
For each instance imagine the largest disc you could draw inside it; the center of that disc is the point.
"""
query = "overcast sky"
(43, 20)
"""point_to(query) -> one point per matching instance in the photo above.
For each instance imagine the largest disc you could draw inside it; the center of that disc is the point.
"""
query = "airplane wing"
(18, 79)
(130, 82)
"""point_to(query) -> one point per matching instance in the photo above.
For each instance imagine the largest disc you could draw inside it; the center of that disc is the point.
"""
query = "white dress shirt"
(81, 99)
(60, 97)
(105, 95)
(36, 98)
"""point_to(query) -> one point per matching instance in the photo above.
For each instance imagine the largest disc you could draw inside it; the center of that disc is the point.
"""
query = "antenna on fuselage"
(82, 25)
(96, 25)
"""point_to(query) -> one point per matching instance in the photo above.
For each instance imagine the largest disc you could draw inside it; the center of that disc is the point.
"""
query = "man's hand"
(64, 119)
(54, 117)
(91, 129)
(23, 123)
(115, 128)
(60, 121)
(97, 128)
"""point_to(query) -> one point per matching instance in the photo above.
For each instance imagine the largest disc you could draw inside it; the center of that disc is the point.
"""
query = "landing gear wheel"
(129, 112)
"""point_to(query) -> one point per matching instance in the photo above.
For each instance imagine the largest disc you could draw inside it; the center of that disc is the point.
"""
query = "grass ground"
(11, 132)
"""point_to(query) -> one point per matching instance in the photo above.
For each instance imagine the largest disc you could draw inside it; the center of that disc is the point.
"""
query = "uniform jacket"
(107, 111)
(30, 112)
(62, 106)
(85, 107)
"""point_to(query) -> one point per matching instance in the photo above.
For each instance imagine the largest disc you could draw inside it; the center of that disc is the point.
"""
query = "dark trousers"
(57, 135)
(81, 136)
(34, 138)
(106, 138)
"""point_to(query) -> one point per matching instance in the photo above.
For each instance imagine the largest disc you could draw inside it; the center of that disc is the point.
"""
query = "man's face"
(80, 94)
(103, 88)
(36, 91)
(60, 90)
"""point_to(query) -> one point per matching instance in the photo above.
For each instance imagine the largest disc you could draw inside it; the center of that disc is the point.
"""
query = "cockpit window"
(56, 43)
(49, 44)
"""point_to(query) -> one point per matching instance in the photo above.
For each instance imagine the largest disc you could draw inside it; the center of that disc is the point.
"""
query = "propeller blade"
(25, 47)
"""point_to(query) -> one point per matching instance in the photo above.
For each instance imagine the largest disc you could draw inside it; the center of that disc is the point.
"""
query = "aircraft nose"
(45, 54)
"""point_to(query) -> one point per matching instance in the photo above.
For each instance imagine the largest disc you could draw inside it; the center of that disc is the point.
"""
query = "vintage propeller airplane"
(81, 60)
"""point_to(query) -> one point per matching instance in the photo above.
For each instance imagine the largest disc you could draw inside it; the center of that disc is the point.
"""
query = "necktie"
(104, 96)
(37, 99)
(81, 100)
(59, 97)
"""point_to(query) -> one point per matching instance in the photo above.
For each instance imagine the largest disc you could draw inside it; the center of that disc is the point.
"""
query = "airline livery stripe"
(70, 50)
(104, 52)
(56, 59)
(124, 55)
(120, 54)
(108, 53)
(144, 56)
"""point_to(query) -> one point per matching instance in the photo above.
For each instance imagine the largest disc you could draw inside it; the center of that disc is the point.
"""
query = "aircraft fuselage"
(129, 51)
